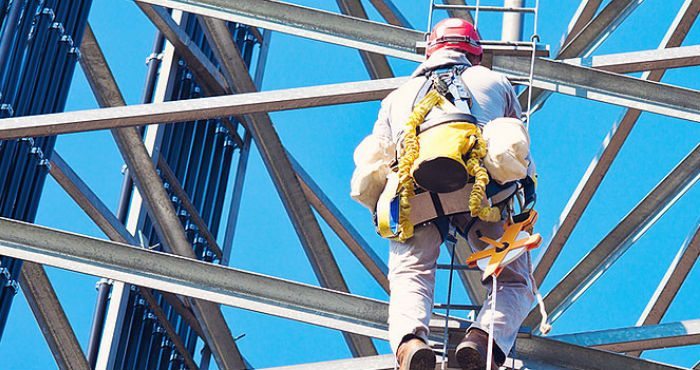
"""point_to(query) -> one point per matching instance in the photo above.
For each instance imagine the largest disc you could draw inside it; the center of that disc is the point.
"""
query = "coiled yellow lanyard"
(474, 144)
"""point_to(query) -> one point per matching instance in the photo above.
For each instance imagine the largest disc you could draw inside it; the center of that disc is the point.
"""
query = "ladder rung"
(523, 44)
(519, 80)
(485, 8)
(460, 307)
(445, 266)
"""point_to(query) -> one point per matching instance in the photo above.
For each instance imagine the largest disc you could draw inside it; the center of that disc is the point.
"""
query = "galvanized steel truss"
(161, 278)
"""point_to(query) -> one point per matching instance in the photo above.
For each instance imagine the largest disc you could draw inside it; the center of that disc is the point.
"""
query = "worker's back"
(492, 95)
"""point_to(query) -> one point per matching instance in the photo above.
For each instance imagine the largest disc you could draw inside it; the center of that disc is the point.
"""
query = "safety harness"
(440, 163)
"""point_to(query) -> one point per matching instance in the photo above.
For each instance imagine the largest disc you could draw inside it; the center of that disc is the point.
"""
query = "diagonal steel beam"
(611, 147)
(551, 352)
(391, 13)
(584, 13)
(110, 225)
(88, 200)
(637, 338)
(587, 40)
(376, 64)
(671, 283)
(616, 243)
(342, 226)
(458, 13)
(288, 185)
(167, 225)
(51, 318)
(207, 75)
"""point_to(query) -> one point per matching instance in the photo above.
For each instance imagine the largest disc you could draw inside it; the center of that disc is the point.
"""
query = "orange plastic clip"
(506, 249)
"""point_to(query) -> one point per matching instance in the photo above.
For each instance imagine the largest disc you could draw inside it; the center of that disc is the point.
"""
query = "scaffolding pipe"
(9, 32)
(512, 21)
(103, 288)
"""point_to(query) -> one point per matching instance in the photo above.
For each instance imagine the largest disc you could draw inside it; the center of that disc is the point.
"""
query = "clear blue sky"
(566, 136)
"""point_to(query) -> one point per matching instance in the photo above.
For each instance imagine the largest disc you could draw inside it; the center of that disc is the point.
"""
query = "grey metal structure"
(164, 269)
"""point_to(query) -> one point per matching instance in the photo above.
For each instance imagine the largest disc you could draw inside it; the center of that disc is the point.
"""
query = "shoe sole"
(423, 359)
(469, 359)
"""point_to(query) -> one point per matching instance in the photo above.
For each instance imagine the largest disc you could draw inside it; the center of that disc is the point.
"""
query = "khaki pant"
(412, 280)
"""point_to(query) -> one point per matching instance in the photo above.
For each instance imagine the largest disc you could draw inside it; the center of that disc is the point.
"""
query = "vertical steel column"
(512, 21)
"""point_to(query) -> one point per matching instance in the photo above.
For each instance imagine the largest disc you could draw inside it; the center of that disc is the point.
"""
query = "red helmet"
(454, 33)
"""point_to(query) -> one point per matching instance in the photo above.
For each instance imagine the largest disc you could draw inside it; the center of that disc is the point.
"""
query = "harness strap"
(461, 94)
(445, 118)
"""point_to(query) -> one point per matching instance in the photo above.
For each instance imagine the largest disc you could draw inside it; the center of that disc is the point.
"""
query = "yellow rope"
(481, 179)
(411, 148)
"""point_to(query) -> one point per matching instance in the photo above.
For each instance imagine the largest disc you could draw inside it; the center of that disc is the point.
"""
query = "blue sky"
(566, 135)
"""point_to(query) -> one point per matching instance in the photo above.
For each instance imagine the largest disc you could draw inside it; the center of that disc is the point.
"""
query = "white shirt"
(492, 94)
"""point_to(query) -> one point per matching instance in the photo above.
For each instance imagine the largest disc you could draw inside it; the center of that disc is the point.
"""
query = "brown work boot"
(472, 351)
(414, 354)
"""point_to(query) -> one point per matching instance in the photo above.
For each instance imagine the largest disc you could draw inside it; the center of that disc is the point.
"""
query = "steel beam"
(616, 243)
(640, 61)
(198, 279)
(210, 78)
(88, 200)
(458, 13)
(275, 158)
(324, 26)
(391, 13)
(252, 291)
(556, 76)
(180, 275)
(381, 362)
(584, 13)
(675, 276)
(670, 284)
(306, 22)
(167, 225)
(611, 147)
(51, 318)
(606, 87)
(195, 109)
(376, 64)
(588, 39)
(531, 353)
(114, 230)
(638, 338)
(342, 226)
(569, 356)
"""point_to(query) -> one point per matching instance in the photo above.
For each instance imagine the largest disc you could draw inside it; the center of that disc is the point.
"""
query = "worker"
(453, 45)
